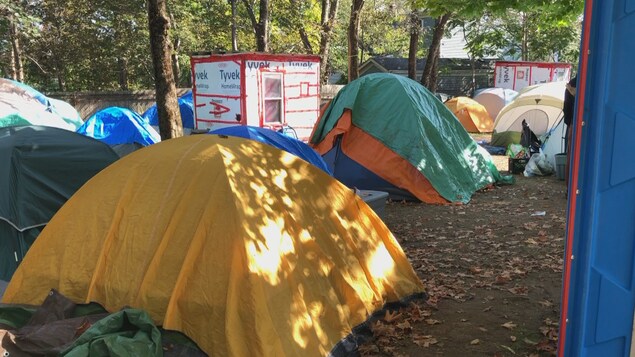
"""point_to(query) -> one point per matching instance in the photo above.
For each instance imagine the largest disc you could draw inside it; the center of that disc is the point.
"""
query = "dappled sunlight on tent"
(381, 263)
(265, 257)
(245, 248)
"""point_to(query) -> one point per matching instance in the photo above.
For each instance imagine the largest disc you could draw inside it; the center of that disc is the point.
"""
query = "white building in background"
(454, 46)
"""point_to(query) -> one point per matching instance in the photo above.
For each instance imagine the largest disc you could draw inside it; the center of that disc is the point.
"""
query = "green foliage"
(81, 44)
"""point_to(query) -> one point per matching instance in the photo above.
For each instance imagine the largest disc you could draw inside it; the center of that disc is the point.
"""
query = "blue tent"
(277, 140)
(186, 107)
(352, 174)
(116, 125)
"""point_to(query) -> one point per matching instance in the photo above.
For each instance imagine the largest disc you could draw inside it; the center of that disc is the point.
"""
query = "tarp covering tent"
(23, 105)
(553, 142)
(472, 115)
(249, 250)
(186, 108)
(67, 112)
(116, 125)
(540, 105)
(41, 168)
(278, 140)
(494, 99)
(388, 133)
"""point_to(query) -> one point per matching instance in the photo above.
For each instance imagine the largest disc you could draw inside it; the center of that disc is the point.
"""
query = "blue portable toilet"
(598, 299)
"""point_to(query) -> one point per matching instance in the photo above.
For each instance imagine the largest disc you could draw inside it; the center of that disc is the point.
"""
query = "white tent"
(540, 105)
(494, 99)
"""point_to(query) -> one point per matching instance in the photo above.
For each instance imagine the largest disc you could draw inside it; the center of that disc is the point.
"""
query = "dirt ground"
(492, 269)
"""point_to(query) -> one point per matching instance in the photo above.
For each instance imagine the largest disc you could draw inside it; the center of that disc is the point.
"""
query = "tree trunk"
(430, 71)
(353, 40)
(524, 48)
(415, 30)
(16, 50)
(261, 26)
(327, 22)
(123, 73)
(304, 37)
(234, 36)
(176, 67)
(167, 105)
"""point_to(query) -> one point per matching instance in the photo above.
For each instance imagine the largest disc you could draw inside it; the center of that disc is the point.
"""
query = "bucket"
(561, 164)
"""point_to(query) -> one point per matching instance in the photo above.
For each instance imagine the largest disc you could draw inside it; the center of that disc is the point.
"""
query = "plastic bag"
(516, 151)
(538, 165)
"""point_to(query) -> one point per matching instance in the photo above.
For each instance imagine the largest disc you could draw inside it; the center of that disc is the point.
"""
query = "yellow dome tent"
(247, 249)
(472, 114)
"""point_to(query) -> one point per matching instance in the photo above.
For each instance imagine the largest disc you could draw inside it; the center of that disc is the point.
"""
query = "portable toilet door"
(598, 297)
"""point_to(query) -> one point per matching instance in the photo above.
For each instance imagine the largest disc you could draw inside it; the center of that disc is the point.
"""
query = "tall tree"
(431, 69)
(170, 125)
(413, 48)
(260, 25)
(327, 24)
(353, 39)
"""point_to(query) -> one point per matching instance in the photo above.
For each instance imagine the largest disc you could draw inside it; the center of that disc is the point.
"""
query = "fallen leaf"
(513, 338)
(391, 316)
(529, 342)
(475, 342)
(432, 322)
(482, 329)
(404, 326)
(509, 325)
(509, 349)
(424, 341)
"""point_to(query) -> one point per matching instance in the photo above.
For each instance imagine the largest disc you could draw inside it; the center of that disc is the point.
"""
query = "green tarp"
(412, 122)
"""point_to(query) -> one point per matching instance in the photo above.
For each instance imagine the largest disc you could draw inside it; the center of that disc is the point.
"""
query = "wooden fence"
(88, 103)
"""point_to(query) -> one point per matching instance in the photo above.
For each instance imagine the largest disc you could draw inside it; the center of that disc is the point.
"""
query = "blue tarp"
(186, 106)
(278, 140)
(116, 125)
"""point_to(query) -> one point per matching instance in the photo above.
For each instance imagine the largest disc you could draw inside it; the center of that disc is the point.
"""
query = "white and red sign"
(518, 75)
(256, 89)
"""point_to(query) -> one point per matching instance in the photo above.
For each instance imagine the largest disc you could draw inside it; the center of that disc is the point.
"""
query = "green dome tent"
(392, 131)
(42, 168)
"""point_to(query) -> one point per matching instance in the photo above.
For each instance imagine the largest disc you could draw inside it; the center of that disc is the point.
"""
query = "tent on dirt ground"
(248, 250)
(540, 105)
(388, 133)
(277, 140)
(494, 99)
(186, 108)
(120, 128)
(472, 115)
(41, 168)
(23, 105)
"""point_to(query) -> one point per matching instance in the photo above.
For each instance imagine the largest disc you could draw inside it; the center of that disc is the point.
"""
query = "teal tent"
(23, 105)
(41, 168)
(388, 133)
